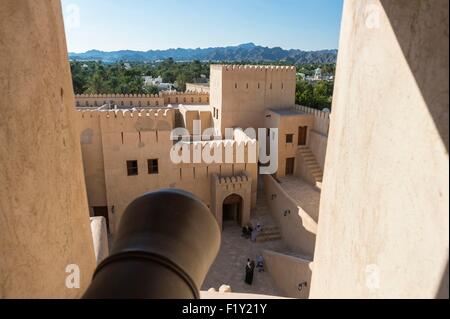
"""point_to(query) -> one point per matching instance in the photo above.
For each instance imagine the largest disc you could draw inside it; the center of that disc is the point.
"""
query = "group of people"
(250, 268)
(249, 232)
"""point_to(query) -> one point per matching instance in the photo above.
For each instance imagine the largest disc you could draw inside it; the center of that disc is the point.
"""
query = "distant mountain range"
(244, 52)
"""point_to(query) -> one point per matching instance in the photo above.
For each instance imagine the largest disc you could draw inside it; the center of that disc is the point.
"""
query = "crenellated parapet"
(314, 112)
(96, 96)
(253, 68)
(321, 119)
(119, 100)
(232, 180)
(141, 100)
(128, 120)
(187, 98)
(240, 183)
(176, 93)
(127, 113)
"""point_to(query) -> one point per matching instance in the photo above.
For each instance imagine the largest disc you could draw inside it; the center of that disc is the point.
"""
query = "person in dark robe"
(249, 268)
(247, 231)
(252, 267)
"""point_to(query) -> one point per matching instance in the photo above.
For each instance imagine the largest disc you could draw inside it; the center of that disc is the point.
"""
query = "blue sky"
(111, 25)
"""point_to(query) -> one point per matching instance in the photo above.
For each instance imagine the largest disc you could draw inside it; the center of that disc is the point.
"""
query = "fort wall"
(318, 134)
(384, 215)
(142, 100)
(45, 232)
(291, 274)
(298, 228)
(125, 135)
(241, 93)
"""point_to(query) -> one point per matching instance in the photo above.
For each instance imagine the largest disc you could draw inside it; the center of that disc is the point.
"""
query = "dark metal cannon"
(164, 247)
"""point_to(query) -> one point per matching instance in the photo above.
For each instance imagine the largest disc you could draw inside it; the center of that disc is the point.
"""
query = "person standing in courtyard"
(249, 268)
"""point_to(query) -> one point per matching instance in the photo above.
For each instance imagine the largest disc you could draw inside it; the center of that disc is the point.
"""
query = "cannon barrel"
(165, 244)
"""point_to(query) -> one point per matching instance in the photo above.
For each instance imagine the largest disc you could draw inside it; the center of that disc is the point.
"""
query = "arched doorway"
(232, 210)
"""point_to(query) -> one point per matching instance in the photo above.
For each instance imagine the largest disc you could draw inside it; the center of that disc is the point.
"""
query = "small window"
(207, 100)
(247, 86)
(153, 166)
(282, 86)
(289, 138)
(235, 85)
(132, 168)
(271, 86)
(258, 85)
(192, 100)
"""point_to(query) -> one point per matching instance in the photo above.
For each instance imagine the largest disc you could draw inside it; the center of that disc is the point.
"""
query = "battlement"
(175, 93)
(161, 94)
(101, 96)
(236, 67)
(143, 113)
(212, 144)
(141, 100)
(231, 180)
(314, 112)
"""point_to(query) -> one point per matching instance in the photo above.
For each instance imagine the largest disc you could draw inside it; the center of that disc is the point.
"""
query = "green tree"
(151, 89)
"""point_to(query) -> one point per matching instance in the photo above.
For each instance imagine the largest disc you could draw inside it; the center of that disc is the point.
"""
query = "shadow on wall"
(433, 85)
(443, 289)
(297, 227)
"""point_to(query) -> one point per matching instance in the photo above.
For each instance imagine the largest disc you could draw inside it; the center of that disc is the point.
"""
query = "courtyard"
(229, 266)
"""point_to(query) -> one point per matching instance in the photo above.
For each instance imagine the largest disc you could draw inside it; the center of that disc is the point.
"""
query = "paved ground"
(229, 266)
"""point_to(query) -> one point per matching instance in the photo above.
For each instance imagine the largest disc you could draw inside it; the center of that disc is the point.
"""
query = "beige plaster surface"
(384, 215)
(44, 216)
(298, 226)
(291, 274)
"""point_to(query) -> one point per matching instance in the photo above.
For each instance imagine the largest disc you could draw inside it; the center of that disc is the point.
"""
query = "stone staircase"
(313, 167)
(268, 233)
